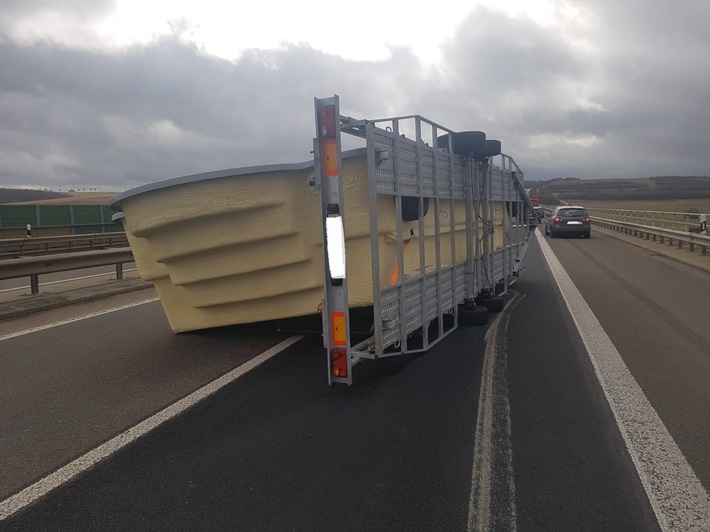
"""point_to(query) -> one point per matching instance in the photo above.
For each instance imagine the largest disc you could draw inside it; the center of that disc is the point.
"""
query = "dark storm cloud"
(615, 92)
(623, 92)
(86, 118)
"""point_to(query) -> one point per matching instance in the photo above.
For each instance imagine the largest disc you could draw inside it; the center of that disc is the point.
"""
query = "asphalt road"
(496, 427)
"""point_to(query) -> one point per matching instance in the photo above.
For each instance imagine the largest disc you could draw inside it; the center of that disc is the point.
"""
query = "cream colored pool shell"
(246, 247)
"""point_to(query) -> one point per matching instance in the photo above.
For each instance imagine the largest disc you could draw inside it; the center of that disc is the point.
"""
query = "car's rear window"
(571, 212)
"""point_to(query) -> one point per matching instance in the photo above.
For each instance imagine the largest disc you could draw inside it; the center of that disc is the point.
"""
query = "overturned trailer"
(418, 228)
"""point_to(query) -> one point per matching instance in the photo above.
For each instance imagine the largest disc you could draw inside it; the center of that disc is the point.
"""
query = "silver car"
(568, 220)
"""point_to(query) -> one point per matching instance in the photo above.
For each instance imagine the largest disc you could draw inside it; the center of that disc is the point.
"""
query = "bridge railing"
(673, 237)
(34, 266)
(687, 222)
(53, 244)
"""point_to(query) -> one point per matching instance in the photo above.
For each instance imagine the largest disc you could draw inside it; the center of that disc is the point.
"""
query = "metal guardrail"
(655, 233)
(687, 222)
(47, 244)
(33, 267)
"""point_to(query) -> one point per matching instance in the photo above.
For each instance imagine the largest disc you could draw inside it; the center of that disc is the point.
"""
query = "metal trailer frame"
(417, 311)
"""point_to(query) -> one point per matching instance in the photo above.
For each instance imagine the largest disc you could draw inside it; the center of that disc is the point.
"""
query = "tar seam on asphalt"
(677, 497)
(492, 478)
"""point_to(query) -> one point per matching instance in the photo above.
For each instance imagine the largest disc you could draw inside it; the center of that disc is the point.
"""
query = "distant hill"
(640, 189)
(19, 196)
(16, 195)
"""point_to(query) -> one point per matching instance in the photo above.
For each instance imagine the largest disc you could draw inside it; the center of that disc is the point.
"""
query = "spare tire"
(463, 142)
(488, 149)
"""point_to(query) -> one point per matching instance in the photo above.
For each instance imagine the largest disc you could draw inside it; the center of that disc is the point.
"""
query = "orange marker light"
(330, 158)
(337, 320)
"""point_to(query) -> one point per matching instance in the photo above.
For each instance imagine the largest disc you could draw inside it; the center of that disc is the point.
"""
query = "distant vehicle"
(540, 213)
(568, 220)
(534, 201)
(532, 221)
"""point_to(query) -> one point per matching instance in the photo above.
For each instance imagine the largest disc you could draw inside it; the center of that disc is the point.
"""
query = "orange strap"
(395, 273)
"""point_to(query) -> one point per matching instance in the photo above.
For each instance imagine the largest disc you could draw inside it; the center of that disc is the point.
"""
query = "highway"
(582, 406)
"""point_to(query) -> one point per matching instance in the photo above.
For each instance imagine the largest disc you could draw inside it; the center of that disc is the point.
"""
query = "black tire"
(473, 315)
(552, 234)
(546, 231)
(490, 148)
(588, 234)
(410, 208)
(463, 142)
(491, 302)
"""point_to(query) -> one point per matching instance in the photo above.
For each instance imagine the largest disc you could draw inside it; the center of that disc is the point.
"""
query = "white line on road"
(678, 498)
(72, 320)
(34, 492)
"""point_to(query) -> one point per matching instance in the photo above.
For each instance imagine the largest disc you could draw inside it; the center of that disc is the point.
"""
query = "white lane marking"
(678, 498)
(42, 487)
(72, 320)
(493, 436)
(45, 283)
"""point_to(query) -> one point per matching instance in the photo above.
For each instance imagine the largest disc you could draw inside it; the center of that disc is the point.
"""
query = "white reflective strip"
(335, 237)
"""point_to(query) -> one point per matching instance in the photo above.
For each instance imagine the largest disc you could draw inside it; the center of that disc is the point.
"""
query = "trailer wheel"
(473, 315)
(463, 142)
(491, 302)
(410, 208)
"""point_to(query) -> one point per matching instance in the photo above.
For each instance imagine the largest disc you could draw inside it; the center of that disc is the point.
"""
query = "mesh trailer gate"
(454, 223)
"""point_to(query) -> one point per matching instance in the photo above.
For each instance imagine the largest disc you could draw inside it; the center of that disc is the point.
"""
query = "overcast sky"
(116, 93)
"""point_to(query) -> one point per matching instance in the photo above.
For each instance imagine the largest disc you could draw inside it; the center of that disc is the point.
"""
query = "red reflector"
(339, 362)
(326, 121)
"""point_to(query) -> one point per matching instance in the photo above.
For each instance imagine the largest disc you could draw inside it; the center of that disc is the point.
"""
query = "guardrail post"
(119, 270)
(34, 284)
